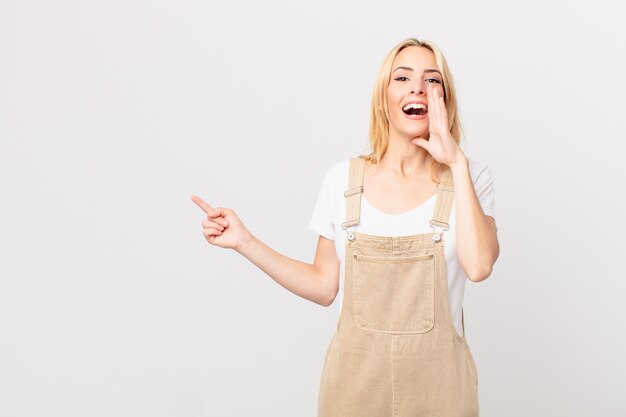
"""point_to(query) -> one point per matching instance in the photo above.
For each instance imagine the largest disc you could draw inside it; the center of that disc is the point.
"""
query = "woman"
(400, 346)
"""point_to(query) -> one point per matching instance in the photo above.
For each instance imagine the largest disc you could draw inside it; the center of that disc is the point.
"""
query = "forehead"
(416, 57)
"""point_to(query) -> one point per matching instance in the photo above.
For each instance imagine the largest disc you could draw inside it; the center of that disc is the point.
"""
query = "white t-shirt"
(330, 212)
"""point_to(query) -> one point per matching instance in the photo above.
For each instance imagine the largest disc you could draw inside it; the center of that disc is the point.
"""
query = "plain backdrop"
(113, 113)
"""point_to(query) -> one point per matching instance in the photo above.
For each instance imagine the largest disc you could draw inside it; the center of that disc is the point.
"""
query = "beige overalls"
(395, 352)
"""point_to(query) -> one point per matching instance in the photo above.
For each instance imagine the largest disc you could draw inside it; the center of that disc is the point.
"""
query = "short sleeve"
(322, 219)
(484, 187)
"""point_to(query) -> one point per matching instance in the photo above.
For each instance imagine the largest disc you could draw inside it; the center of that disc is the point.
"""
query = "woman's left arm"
(477, 241)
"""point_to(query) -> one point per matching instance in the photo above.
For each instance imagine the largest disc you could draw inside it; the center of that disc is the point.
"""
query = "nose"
(417, 88)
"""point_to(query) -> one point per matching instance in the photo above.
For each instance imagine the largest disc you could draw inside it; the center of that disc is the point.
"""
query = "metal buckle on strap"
(438, 229)
(349, 230)
(349, 225)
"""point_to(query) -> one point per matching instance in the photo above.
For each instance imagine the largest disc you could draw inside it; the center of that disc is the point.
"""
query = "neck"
(405, 158)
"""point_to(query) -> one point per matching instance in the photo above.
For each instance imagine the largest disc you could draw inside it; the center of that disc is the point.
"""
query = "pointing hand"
(222, 227)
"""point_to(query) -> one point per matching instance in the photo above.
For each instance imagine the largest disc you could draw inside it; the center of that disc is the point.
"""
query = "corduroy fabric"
(395, 352)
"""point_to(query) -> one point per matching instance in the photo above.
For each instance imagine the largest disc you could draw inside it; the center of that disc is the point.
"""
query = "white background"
(113, 113)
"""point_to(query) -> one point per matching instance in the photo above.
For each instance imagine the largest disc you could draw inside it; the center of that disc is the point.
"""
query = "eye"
(401, 78)
(431, 79)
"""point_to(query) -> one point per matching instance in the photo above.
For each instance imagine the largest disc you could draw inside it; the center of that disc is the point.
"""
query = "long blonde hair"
(379, 113)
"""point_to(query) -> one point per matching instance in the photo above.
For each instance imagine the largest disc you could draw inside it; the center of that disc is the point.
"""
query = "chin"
(417, 130)
(414, 134)
(412, 131)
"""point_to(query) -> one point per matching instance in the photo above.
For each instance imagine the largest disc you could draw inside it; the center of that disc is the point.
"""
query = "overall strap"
(443, 206)
(353, 193)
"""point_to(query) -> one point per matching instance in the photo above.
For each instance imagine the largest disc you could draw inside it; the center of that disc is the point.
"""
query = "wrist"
(459, 161)
(245, 244)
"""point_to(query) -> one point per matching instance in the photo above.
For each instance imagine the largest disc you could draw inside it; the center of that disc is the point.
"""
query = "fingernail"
(225, 223)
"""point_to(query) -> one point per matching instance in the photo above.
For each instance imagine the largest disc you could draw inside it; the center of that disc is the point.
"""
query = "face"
(414, 76)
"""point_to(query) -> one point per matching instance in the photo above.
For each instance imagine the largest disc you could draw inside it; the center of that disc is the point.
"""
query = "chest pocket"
(394, 294)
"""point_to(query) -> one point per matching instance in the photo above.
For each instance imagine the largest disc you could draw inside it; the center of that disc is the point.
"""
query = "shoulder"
(336, 179)
(337, 173)
(340, 167)
(479, 170)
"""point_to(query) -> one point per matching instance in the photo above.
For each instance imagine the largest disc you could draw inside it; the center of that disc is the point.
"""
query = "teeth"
(415, 106)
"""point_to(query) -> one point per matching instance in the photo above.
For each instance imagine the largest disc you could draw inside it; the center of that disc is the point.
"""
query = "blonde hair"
(379, 113)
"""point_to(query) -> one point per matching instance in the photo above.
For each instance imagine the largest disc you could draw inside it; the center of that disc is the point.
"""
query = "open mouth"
(415, 109)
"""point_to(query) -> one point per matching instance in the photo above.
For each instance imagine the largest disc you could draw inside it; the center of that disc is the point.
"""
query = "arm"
(318, 282)
(477, 241)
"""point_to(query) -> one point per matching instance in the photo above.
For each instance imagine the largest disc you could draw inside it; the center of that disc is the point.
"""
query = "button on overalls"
(395, 352)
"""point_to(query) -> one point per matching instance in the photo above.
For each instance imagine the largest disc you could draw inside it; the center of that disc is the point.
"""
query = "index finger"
(204, 206)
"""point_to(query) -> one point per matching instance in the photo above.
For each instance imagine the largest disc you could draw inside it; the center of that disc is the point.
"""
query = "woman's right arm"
(317, 282)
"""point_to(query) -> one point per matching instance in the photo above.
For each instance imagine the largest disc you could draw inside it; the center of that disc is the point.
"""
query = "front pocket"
(394, 294)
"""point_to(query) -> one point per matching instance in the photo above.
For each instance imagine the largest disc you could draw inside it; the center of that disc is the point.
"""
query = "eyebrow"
(411, 69)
